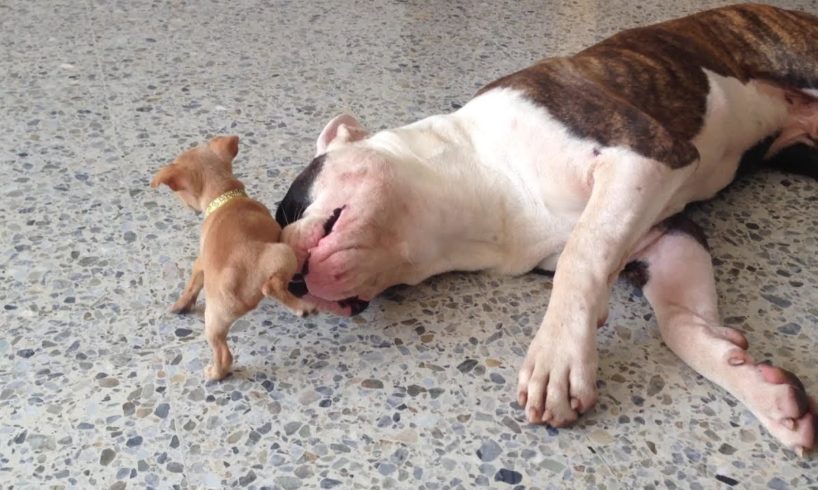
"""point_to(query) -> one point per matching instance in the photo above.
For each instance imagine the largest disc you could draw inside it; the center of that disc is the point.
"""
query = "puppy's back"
(233, 241)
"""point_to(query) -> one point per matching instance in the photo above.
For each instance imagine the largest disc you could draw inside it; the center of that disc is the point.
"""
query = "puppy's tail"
(279, 264)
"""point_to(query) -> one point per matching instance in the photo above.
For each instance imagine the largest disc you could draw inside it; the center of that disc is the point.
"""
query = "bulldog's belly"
(547, 168)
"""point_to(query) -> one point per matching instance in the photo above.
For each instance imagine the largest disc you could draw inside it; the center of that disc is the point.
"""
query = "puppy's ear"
(226, 147)
(172, 176)
(342, 129)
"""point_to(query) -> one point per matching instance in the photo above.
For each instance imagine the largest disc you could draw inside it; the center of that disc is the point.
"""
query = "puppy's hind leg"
(280, 262)
(187, 300)
(680, 286)
(217, 324)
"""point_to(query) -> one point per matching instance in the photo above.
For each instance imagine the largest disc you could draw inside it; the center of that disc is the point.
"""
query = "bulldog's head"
(346, 219)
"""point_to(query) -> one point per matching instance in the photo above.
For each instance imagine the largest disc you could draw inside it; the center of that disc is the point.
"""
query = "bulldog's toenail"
(736, 361)
(800, 451)
(789, 424)
(532, 415)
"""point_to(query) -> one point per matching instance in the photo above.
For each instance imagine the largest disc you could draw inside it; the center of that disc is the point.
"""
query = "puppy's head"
(196, 170)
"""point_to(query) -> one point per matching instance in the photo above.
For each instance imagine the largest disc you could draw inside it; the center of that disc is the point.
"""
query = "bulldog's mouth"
(298, 286)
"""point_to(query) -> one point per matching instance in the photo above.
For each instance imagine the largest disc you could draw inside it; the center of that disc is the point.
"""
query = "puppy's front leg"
(187, 300)
(279, 259)
(558, 378)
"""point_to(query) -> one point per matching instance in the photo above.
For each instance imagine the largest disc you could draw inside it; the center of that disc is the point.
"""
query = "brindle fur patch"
(681, 224)
(636, 273)
(645, 89)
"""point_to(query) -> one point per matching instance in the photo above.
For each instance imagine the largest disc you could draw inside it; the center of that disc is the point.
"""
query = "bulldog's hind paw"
(778, 398)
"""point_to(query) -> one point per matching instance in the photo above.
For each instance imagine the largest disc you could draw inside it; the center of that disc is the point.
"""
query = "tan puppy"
(240, 260)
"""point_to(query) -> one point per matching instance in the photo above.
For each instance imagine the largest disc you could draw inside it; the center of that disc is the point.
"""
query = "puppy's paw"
(215, 373)
(305, 309)
(183, 306)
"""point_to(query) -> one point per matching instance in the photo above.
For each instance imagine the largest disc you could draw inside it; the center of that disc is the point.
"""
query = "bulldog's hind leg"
(677, 278)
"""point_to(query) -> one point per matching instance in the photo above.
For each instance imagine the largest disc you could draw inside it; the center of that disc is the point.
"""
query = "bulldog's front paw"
(557, 381)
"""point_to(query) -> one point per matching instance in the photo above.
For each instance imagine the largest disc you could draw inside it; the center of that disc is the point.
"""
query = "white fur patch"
(738, 116)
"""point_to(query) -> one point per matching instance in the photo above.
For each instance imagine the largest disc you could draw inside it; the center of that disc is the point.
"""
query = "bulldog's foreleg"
(681, 289)
(558, 378)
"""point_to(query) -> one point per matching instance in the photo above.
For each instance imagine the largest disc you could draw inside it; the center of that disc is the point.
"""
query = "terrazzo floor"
(101, 387)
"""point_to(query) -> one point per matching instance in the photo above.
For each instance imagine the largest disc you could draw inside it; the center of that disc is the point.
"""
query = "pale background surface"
(100, 387)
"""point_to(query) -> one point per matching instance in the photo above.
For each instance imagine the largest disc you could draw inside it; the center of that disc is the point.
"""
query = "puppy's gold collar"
(222, 200)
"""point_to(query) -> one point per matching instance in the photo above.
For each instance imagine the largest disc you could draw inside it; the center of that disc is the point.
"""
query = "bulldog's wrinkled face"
(345, 219)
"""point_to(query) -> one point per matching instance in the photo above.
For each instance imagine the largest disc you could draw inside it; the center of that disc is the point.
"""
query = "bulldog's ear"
(226, 147)
(172, 176)
(342, 129)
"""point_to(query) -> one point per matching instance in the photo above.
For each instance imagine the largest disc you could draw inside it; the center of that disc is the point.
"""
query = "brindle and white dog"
(578, 165)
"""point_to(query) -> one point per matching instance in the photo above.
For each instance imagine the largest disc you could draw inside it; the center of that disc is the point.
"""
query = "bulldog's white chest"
(545, 171)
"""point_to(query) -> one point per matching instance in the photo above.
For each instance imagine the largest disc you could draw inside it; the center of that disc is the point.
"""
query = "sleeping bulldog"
(578, 165)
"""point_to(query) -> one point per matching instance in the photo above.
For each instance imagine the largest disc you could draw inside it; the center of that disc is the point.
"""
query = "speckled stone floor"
(101, 387)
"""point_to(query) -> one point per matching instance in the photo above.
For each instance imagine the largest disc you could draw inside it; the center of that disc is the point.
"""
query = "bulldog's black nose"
(356, 305)
(297, 286)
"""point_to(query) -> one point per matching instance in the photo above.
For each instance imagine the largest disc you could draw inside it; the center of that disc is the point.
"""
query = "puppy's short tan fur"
(240, 260)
